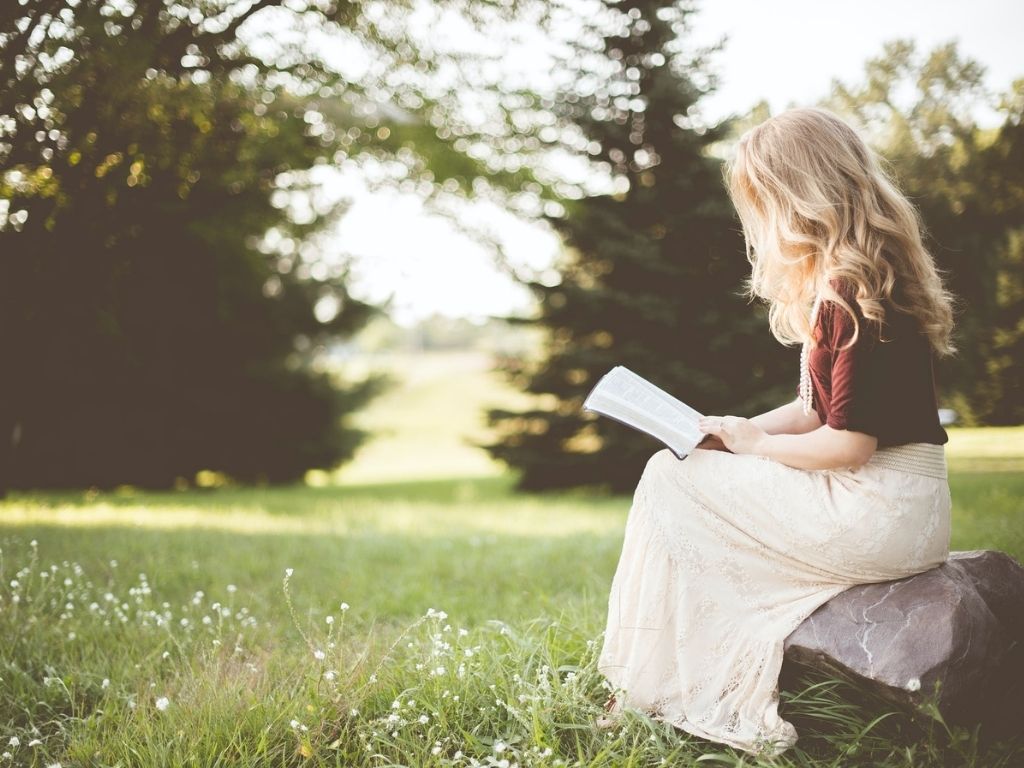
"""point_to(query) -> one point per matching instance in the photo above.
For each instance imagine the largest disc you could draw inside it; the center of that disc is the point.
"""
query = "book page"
(636, 402)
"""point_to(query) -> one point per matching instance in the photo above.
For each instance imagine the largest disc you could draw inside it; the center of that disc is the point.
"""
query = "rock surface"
(959, 626)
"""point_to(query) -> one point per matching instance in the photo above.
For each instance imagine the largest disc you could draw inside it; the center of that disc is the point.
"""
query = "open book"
(632, 400)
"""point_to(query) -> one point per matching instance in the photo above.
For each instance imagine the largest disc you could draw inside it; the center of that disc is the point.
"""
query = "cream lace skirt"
(725, 554)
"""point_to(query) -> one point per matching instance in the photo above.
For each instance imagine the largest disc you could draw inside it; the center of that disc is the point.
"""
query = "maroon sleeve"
(856, 376)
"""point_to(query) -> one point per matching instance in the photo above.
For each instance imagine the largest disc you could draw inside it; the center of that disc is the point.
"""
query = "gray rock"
(954, 634)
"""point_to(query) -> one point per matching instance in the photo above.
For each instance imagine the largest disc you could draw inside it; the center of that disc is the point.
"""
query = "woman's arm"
(822, 448)
(788, 419)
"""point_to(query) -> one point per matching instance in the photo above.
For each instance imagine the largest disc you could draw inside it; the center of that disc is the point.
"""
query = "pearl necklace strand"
(805, 373)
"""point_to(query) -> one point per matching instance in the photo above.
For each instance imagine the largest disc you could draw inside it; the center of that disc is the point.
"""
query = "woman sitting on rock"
(727, 551)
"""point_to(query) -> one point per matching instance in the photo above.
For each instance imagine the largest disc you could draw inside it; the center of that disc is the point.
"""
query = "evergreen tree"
(652, 275)
(148, 337)
(161, 303)
(161, 299)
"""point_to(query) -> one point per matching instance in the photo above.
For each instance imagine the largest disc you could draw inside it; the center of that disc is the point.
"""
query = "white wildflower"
(162, 703)
(914, 684)
(329, 619)
(14, 742)
(288, 572)
(344, 606)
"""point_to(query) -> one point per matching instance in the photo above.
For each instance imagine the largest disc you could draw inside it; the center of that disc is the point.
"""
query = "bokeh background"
(321, 285)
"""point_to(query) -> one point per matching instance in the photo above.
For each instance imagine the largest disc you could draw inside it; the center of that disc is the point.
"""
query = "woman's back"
(882, 388)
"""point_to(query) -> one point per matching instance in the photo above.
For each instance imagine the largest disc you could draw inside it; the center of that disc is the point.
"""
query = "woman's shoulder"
(834, 313)
(839, 323)
(845, 288)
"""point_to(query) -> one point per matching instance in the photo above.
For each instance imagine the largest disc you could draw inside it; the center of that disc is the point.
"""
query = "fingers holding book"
(737, 434)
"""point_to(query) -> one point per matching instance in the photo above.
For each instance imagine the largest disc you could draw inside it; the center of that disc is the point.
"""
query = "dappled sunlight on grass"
(985, 449)
(434, 508)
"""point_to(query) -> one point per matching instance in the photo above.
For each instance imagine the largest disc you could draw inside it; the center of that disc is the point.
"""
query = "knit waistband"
(920, 458)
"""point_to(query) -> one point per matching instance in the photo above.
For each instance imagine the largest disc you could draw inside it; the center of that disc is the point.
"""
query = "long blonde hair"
(816, 205)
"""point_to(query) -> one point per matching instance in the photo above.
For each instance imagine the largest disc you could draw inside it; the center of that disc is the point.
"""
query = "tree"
(652, 273)
(149, 337)
(162, 291)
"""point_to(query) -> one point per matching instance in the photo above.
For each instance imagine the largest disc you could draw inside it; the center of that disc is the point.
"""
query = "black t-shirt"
(881, 388)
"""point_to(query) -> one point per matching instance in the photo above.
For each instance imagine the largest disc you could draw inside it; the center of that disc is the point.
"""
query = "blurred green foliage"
(163, 293)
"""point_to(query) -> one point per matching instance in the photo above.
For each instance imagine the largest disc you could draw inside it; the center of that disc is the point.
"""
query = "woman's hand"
(738, 434)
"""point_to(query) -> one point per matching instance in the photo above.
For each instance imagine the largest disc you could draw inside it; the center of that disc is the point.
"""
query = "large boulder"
(953, 634)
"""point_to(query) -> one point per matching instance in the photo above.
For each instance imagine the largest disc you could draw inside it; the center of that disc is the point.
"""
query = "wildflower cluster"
(48, 610)
(441, 677)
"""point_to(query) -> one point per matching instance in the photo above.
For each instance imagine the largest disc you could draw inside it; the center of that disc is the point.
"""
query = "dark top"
(881, 388)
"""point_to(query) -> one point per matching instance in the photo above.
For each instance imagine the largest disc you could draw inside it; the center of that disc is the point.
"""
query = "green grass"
(469, 606)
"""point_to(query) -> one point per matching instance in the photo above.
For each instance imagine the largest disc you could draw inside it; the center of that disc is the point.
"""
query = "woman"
(727, 551)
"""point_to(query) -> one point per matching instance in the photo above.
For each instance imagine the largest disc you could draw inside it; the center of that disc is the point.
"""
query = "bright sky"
(786, 52)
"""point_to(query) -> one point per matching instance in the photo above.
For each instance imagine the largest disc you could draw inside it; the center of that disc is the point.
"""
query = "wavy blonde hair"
(816, 205)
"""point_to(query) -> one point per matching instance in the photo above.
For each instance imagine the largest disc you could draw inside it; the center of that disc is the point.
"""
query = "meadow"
(407, 609)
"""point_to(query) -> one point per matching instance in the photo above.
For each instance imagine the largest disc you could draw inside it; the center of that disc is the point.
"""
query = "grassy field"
(408, 610)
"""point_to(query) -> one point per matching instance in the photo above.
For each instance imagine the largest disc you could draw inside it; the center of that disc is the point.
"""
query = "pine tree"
(651, 276)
